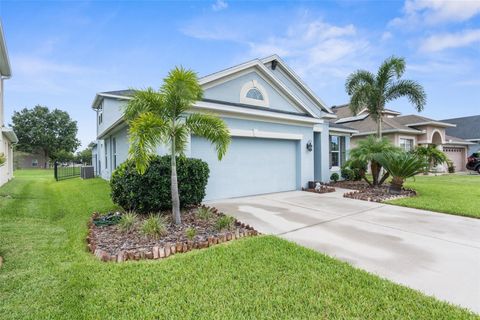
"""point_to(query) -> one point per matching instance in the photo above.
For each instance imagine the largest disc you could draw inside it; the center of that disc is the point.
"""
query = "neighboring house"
(7, 136)
(468, 128)
(280, 131)
(406, 132)
(26, 160)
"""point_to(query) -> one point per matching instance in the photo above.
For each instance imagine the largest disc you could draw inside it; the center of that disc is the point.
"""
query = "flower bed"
(110, 243)
(379, 194)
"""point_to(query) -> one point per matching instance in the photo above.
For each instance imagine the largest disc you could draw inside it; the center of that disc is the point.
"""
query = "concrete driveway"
(438, 254)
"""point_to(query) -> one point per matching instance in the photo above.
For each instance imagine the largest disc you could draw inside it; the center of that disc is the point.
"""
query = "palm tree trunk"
(379, 127)
(174, 187)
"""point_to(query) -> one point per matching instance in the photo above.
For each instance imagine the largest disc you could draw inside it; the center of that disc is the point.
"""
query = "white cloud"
(219, 5)
(386, 36)
(450, 40)
(436, 11)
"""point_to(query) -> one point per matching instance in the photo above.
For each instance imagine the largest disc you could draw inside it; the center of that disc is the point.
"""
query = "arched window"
(254, 93)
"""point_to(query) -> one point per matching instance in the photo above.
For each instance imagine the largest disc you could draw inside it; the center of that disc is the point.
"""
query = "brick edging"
(164, 251)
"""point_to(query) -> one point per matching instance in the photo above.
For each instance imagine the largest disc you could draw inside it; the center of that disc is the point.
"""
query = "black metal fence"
(64, 171)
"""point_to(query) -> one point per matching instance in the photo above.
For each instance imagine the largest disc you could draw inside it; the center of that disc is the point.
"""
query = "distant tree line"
(50, 132)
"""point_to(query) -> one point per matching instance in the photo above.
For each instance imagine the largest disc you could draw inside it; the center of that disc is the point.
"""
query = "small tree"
(432, 156)
(367, 90)
(45, 130)
(367, 151)
(400, 165)
(157, 117)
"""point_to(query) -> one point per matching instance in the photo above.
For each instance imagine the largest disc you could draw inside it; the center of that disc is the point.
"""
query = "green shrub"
(190, 233)
(151, 192)
(154, 226)
(204, 213)
(334, 177)
(347, 173)
(225, 223)
(127, 221)
(451, 167)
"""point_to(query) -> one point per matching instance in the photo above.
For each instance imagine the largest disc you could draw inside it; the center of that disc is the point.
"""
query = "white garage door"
(457, 156)
(251, 166)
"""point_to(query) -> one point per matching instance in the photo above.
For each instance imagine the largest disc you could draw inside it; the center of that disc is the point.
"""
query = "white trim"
(260, 113)
(331, 129)
(388, 131)
(9, 134)
(298, 80)
(255, 63)
(106, 95)
(253, 84)
(436, 123)
(350, 119)
(254, 133)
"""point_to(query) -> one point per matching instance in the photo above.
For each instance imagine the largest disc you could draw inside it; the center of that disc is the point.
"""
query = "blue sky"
(62, 53)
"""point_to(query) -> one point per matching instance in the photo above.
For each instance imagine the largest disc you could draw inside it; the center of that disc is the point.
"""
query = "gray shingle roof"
(467, 127)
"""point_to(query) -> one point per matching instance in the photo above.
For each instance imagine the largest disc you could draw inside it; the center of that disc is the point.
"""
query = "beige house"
(7, 136)
(406, 132)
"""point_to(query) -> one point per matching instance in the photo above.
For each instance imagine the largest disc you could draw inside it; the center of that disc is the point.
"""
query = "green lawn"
(455, 194)
(48, 274)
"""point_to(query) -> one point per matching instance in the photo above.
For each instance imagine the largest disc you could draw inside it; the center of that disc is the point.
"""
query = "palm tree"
(367, 151)
(370, 91)
(400, 165)
(433, 157)
(165, 117)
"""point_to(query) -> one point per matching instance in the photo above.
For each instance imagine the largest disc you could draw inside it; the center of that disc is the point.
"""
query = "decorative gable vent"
(253, 93)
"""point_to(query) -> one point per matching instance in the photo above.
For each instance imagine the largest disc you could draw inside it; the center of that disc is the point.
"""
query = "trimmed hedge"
(151, 192)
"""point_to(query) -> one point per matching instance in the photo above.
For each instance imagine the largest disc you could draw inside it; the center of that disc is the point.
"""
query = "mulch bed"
(354, 185)
(379, 194)
(109, 243)
(323, 189)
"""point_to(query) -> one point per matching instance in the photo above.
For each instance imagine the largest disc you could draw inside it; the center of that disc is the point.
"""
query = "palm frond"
(410, 89)
(212, 128)
(358, 79)
(360, 98)
(181, 90)
(401, 164)
(367, 149)
(147, 100)
(182, 134)
(391, 68)
(146, 132)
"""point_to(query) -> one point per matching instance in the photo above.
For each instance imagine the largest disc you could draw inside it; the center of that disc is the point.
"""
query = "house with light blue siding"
(281, 132)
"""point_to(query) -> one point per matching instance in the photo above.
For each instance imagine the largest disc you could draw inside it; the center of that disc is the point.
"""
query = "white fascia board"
(223, 109)
(10, 134)
(117, 125)
(342, 130)
(474, 140)
(436, 123)
(254, 133)
(298, 80)
(388, 131)
(100, 95)
(453, 142)
(350, 119)
(5, 69)
(256, 63)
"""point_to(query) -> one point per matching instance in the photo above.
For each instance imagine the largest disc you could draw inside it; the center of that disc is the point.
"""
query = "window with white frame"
(406, 144)
(337, 151)
(34, 163)
(254, 93)
(100, 113)
(114, 147)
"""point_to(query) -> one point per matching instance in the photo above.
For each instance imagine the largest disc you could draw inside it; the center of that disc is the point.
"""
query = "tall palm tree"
(370, 91)
(165, 117)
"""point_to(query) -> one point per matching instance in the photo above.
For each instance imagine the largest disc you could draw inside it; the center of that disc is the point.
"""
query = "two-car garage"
(251, 166)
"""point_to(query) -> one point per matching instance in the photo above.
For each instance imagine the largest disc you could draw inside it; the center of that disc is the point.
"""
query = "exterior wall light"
(309, 145)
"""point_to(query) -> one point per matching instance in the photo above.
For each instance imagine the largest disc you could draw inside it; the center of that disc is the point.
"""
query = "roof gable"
(233, 89)
(266, 73)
